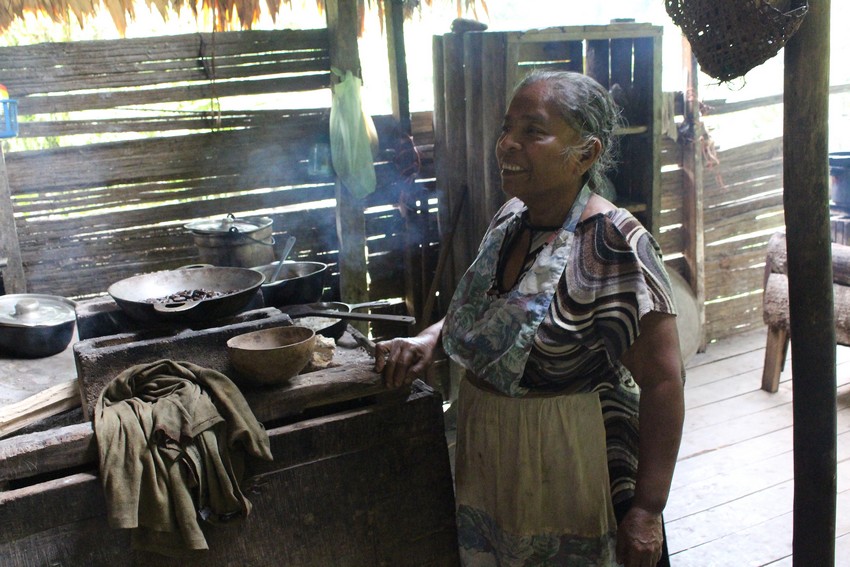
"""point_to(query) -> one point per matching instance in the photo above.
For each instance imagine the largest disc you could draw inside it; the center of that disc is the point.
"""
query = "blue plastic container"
(8, 118)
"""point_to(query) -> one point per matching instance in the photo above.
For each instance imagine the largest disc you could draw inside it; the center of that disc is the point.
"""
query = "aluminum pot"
(297, 283)
(34, 325)
(232, 241)
(138, 295)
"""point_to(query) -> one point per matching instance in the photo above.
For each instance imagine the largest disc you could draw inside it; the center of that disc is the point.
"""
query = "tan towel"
(172, 438)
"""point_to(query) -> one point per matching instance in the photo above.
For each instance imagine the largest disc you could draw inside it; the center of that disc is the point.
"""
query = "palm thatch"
(227, 14)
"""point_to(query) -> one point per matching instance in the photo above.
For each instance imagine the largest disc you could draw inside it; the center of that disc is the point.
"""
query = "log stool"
(776, 310)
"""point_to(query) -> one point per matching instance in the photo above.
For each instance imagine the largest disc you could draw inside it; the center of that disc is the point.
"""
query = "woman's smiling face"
(533, 150)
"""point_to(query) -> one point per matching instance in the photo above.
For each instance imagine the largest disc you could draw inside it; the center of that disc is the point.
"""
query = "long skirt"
(532, 481)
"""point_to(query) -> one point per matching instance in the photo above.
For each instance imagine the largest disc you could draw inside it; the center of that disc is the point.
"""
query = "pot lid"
(33, 310)
(228, 224)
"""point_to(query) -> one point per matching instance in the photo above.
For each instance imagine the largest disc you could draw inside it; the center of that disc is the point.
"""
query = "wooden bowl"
(271, 356)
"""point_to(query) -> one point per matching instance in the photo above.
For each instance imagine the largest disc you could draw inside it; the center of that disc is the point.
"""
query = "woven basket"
(730, 37)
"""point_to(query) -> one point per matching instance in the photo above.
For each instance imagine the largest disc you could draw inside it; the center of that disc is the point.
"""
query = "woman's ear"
(590, 154)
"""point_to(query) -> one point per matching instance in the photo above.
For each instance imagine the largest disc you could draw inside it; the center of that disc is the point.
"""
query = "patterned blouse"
(614, 275)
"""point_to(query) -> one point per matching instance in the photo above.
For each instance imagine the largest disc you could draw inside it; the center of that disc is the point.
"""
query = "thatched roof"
(245, 13)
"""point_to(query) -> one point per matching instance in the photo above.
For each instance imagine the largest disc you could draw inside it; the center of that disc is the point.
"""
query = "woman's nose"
(506, 141)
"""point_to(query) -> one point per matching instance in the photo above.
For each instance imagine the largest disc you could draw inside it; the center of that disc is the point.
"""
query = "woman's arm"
(655, 362)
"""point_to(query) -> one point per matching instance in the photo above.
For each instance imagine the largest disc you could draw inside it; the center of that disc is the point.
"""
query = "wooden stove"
(360, 477)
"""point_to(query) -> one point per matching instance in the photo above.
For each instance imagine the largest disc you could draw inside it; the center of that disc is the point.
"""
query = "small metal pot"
(35, 325)
(297, 283)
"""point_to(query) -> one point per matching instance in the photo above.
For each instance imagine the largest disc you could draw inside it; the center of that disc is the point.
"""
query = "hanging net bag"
(730, 37)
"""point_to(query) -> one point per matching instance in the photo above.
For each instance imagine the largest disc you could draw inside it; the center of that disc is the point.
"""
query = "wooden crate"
(474, 75)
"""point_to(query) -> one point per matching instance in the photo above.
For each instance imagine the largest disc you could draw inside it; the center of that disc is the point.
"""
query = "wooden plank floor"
(732, 497)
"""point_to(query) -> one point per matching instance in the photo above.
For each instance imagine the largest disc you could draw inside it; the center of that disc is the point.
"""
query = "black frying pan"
(339, 315)
(136, 295)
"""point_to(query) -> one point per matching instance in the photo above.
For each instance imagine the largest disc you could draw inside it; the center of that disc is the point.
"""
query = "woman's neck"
(553, 213)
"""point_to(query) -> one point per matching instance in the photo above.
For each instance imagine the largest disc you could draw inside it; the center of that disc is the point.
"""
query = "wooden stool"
(776, 311)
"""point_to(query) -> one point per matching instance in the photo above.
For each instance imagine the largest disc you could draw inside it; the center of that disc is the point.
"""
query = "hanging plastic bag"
(351, 148)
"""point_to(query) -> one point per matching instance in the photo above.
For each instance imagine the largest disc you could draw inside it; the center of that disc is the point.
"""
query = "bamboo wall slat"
(50, 68)
(743, 207)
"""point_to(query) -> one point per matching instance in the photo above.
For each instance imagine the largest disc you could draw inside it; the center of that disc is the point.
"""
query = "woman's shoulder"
(617, 229)
(602, 213)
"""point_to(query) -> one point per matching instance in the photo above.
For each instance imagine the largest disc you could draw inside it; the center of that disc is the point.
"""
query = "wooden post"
(350, 225)
(692, 189)
(399, 87)
(454, 153)
(806, 200)
(13, 274)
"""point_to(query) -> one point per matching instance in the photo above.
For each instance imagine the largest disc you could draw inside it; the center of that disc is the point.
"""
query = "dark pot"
(297, 283)
(839, 177)
(34, 325)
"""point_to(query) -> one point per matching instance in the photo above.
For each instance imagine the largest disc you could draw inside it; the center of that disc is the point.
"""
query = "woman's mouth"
(509, 168)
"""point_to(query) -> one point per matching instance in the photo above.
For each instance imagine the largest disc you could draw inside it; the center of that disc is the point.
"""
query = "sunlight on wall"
(503, 15)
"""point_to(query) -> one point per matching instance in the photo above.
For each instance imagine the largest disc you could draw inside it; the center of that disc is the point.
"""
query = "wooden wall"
(109, 195)
(132, 147)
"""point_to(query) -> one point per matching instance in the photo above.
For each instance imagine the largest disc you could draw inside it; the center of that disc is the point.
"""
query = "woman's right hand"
(403, 360)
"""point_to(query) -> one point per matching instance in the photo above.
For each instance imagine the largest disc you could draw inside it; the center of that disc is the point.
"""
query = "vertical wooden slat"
(621, 62)
(575, 55)
(692, 190)
(473, 61)
(455, 148)
(596, 65)
(10, 248)
(351, 230)
(646, 86)
(810, 293)
(512, 69)
(495, 91)
(399, 88)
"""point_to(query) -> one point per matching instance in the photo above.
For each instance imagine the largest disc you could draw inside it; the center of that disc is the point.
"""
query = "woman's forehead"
(533, 103)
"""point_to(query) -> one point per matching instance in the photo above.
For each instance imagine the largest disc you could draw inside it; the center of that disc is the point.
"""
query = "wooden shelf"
(633, 207)
(631, 130)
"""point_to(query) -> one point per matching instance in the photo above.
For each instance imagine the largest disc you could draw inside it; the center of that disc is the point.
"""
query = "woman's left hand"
(639, 538)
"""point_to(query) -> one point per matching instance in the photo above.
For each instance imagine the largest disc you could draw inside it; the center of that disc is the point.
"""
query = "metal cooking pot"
(839, 177)
(338, 315)
(235, 242)
(35, 325)
(137, 295)
(297, 283)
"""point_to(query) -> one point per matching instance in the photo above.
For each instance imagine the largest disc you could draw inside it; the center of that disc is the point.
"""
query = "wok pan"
(137, 295)
(339, 315)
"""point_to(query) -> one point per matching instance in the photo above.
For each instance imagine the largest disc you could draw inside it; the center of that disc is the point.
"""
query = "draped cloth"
(173, 438)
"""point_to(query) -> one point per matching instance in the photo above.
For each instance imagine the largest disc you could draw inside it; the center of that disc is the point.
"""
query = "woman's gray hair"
(588, 108)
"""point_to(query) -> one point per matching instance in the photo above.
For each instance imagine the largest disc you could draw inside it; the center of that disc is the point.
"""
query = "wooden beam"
(10, 248)
(351, 229)
(806, 199)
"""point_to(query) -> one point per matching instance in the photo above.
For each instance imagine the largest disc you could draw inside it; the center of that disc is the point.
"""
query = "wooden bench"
(776, 305)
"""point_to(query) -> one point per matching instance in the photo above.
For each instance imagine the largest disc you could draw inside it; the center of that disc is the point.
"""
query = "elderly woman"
(566, 327)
